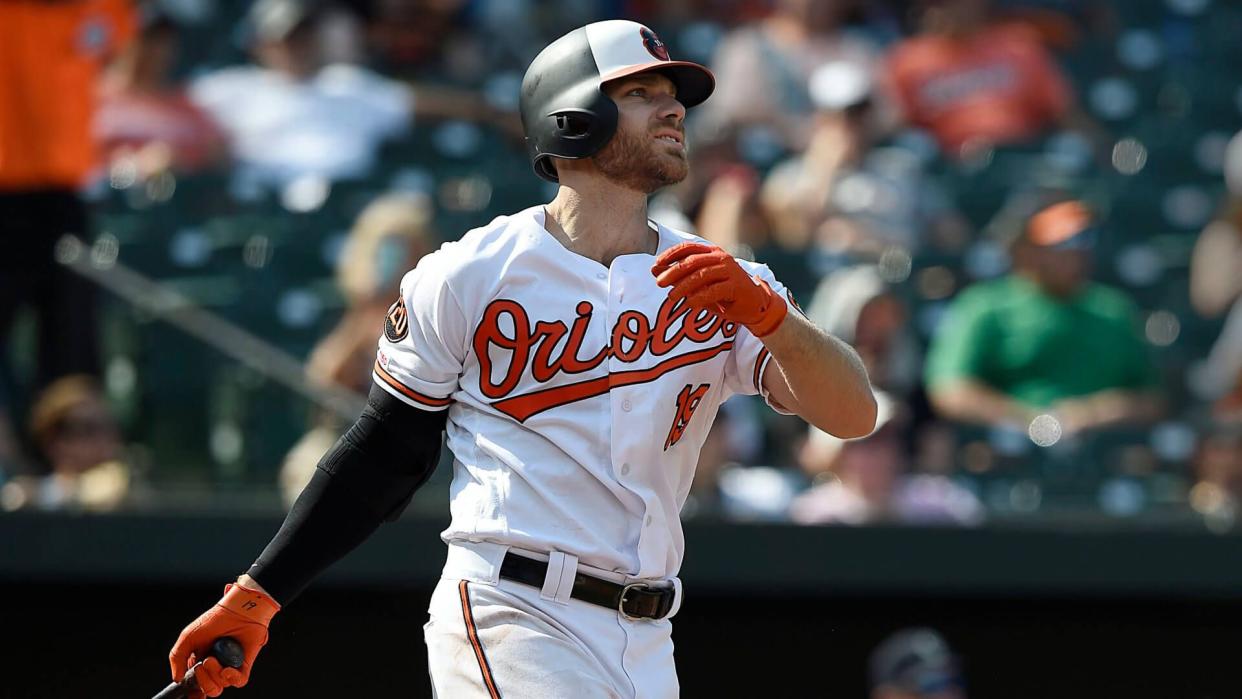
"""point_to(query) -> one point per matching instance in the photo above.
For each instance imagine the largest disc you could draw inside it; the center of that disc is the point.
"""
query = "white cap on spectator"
(1233, 165)
(837, 85)
(274, 20)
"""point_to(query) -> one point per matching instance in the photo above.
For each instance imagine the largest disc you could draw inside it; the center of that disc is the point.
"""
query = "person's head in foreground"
(915, 663)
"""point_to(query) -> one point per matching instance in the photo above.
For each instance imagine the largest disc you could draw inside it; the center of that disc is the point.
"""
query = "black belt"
(635, 600)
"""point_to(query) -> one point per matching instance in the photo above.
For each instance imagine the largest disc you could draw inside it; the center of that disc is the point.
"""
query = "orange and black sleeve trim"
(758, 377)
(408, 392)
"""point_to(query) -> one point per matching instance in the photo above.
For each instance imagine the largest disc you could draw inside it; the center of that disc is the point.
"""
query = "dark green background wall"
(92, 604)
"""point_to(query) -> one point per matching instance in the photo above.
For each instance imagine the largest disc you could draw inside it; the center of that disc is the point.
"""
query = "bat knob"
(228, 651)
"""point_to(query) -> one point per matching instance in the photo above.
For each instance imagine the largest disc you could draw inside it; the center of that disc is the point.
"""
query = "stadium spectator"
(973, 83)
(51, 54)
(1217, 492)
(867, 480)
(915, 663)
(79, 442)
(391, 234)
(405, 35)
(844, 194)
(1044, 339)
(858, 306)
(292, 115)
(1214, 280)
(1216, 287)
(144, 118)
(732, 216)
(762, 69)
(1222, 371)
(729, 215)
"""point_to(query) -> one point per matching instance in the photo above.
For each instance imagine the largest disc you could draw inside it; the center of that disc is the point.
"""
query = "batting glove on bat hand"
(243, 614)
(708, 277)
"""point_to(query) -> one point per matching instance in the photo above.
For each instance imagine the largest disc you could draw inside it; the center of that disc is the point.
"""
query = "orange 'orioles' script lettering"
(538, 347)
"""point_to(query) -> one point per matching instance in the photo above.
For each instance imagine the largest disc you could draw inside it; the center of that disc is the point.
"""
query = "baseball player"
(576, 354)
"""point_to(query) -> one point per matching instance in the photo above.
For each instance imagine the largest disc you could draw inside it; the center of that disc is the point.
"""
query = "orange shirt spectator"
(996, 85)
(50, 56)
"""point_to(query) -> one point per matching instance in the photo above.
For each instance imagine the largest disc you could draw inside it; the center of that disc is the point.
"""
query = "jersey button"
(625, 469)
(648, 520)
(626, 405)
(601, 275)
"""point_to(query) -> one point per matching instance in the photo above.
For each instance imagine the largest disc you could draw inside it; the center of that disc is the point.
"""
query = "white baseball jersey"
(579, 395)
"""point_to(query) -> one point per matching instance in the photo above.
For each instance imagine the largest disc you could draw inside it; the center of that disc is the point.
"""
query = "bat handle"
(228, 651)
(225, 649)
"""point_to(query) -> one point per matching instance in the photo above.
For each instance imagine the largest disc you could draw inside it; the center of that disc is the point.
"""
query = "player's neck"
(601, 221)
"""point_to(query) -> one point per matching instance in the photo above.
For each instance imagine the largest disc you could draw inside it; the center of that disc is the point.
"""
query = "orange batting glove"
(708, 277)
(243, 614)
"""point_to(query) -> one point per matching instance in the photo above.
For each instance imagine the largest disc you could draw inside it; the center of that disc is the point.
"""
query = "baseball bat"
(226, 649)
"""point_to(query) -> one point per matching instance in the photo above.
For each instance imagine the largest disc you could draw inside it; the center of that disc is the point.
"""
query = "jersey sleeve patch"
(397, 322)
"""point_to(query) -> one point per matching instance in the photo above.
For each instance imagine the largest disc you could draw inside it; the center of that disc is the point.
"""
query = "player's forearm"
(826, 381)
(365, 479)
(325, 523)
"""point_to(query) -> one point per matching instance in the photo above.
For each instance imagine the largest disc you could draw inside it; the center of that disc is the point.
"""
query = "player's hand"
(708, 277)
(243, 614)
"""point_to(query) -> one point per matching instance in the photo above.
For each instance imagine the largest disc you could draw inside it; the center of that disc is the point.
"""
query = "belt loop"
(568, 573)
(558, 583)
(678, 595)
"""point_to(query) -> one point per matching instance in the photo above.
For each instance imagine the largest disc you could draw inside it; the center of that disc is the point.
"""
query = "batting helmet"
(565, 112)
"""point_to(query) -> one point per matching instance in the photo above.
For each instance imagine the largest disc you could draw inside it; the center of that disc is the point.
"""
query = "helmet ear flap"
(572, 132)
(545, 168)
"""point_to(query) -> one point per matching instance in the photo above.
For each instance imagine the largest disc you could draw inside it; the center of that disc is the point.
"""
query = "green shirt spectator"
(1045, 339)
(1038, 349)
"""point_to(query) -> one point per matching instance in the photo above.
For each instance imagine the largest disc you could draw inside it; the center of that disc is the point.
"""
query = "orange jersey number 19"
(687, 401)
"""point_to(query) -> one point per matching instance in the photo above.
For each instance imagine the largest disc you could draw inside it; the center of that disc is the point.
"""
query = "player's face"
(649, 149)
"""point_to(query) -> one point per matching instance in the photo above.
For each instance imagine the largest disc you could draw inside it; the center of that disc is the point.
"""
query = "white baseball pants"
(491, 638)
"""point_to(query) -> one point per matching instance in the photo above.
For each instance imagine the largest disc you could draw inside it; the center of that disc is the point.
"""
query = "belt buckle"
(621, 600)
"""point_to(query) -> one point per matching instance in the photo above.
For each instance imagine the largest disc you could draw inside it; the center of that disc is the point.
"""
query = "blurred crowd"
(926, 176)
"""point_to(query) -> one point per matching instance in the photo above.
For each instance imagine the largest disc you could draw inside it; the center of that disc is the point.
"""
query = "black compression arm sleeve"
(367, 478)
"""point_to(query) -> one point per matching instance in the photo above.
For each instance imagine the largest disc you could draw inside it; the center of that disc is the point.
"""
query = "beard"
(640, 162)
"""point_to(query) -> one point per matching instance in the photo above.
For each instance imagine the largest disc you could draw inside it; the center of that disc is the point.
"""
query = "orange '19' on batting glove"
(242, 613)
(708, 277)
